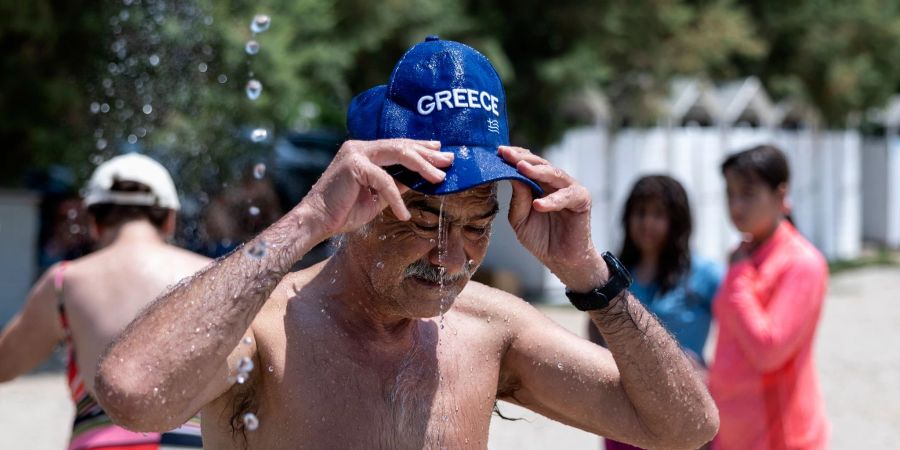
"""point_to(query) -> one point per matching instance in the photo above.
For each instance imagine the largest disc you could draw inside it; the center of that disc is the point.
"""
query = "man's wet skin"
(355, 352)
(368, 360)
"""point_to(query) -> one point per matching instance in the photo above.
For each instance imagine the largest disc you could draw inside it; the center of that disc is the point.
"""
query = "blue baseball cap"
(441, 91)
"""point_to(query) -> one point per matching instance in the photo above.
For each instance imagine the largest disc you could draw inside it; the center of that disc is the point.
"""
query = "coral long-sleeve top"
(763, 377)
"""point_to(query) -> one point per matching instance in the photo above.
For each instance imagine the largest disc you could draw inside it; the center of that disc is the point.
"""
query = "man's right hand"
(355, 187)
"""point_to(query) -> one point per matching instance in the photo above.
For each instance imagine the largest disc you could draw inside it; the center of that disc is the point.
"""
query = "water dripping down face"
(423, 264)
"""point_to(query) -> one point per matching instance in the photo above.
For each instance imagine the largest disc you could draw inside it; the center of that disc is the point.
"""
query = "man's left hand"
(556, 228)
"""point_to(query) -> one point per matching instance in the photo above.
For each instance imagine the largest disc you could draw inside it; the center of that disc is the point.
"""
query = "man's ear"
(93, 228)
(168, 228)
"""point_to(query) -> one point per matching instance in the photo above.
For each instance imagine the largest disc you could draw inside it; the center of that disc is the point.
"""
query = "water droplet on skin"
(254, 211)
(251, 422)
(379, 265)
(260, 23)
(155, 391)
(333, 280)
(252, 47)
(153, 60)
(241, 378)
(382, 237)
(245, 365)
(247, 340)
(259, 135)
(259, 171)
(559, 365)
(446, 418)
(271, 369)
(254, 89)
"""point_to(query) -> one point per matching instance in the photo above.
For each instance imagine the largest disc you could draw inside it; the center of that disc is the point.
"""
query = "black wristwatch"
(599, 298)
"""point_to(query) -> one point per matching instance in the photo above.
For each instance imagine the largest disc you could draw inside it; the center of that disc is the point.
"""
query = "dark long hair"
(675, 258)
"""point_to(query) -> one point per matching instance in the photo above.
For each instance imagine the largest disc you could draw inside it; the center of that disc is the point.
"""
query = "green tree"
(82, 80)
(841, 56)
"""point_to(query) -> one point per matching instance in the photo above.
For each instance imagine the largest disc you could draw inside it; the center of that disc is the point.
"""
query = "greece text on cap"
(457, 98)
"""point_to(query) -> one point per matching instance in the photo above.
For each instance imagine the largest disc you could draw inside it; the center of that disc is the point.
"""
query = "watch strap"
(599, 298)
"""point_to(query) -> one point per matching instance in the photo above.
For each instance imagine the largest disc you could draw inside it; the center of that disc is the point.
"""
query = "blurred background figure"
(83, 304)
(675, 285)
(763, 375)
(240, 212)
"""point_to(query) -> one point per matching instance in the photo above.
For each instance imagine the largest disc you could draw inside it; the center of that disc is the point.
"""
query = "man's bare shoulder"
(489, 303)
(290, 287)
(188, 258)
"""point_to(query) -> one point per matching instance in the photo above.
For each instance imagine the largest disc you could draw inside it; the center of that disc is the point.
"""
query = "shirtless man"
(387, 344)
(85, 303)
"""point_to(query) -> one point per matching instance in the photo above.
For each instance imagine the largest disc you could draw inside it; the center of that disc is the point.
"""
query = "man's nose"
(449, 252)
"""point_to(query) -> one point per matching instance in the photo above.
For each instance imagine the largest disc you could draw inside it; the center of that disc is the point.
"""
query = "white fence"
(825, 188)
(881, 188)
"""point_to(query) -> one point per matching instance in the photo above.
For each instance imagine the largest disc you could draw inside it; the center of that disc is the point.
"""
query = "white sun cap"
(136, 168)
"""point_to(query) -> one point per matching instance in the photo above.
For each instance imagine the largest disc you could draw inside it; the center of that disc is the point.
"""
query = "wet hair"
(675, 258)
(111, 215)
(764, 162)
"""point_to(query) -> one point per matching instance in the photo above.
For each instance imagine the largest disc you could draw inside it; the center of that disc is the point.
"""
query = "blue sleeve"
(707, 277)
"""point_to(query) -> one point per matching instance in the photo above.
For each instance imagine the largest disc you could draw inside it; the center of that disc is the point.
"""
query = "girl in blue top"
(675, 286)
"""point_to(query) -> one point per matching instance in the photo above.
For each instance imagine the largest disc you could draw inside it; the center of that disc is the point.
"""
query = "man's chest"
(439, 394)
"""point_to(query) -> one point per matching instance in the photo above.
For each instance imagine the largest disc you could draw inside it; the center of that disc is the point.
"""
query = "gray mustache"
(437, 274)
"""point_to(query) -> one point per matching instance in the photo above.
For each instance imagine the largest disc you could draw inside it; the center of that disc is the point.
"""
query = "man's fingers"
(574, 198)
(417, 156)
(515, 154)
(437, 158)
(545, 173)
(384, 185)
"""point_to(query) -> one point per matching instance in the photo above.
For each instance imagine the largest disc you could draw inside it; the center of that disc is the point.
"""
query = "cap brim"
(472, 167)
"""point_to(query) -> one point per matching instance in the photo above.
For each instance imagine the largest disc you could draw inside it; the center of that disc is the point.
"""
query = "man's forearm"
(185, 336)
(657, 376)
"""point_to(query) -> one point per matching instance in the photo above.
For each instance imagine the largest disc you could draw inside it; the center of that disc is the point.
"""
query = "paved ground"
(858, 357)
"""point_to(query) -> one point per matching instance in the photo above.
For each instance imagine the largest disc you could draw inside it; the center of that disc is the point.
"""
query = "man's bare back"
(105, 291)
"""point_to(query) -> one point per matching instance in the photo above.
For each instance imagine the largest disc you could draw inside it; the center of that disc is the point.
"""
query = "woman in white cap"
(85, 303)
